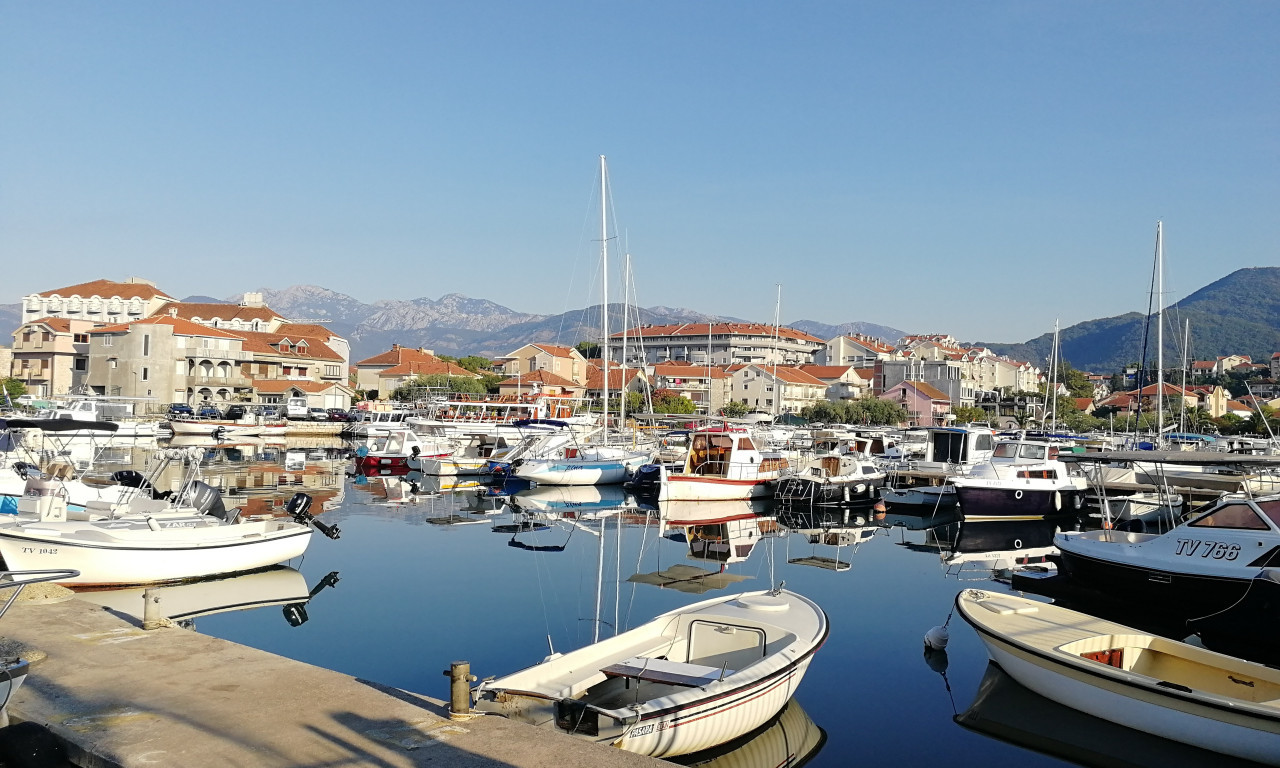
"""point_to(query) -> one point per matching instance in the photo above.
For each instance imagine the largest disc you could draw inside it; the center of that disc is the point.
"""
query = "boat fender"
(1017, 494)
(1057, 500)
(1017, 543)
(1077, 502)
(152, 524)
(937, 638)
(362, 451)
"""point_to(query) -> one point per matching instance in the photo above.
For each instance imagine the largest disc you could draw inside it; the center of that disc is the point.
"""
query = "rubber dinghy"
(689, 680)
(1146, 682)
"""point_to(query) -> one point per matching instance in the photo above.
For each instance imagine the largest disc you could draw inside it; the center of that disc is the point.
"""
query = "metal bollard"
(151, 616)
(460, 680)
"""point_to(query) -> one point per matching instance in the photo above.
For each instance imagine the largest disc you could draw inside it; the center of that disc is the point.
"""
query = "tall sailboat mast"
(1159, 331)
(777, 385)
(604, 288)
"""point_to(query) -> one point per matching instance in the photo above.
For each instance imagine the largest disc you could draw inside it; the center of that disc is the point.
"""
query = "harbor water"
(423, 575)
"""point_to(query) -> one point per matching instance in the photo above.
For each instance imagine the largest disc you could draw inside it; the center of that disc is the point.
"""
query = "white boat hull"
(1190, 727)
(580, 472)
(171, 555)
(215, 427)
(699, 488)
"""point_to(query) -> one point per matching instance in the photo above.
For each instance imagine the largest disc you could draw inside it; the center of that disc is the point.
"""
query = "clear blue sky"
(979, 168)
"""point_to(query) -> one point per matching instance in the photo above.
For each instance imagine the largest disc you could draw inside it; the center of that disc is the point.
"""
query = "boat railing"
(8, 580)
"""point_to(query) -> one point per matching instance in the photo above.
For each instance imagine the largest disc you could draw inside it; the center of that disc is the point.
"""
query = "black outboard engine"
(132, 478)
(298, 508)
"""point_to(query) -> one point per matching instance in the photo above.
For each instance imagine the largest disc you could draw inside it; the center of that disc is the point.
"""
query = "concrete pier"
(117, 695)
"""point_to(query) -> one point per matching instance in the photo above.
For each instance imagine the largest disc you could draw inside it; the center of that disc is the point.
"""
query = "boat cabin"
(728, 454)
(948, 446)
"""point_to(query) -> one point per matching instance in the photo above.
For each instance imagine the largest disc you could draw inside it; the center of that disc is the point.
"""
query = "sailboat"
(597, 463)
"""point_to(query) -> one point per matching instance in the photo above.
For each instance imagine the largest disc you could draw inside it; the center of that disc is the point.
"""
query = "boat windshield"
(1006, 450)
(1031, 451)
(1271, 509)
(1239, 515)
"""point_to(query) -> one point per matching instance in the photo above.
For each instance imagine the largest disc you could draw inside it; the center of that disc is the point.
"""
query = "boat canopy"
(1206, 458)
(60, 425)
(540, 423)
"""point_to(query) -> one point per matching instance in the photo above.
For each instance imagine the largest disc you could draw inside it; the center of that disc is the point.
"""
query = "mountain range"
(1238, 314)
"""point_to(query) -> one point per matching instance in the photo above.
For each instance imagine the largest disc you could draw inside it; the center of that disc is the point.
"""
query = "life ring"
(1017, 543)
(1017, 494)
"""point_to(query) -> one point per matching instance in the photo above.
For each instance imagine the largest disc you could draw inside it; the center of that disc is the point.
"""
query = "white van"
(296, 408)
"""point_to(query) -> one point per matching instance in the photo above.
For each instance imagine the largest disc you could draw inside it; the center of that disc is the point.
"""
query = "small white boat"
(1149, 683)
(573, 464)
(689, 680)
(470, 458)
(131, 546)
(1024, 480)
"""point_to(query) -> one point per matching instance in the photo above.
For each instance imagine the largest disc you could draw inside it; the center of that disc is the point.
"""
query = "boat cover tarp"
(1207, 458)
(59, 425)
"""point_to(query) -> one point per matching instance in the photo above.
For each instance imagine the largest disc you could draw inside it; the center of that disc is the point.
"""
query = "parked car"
(271, 412)
(178, 410)
(318, 414)
(209, 411)
(235, 412)
(337, 414)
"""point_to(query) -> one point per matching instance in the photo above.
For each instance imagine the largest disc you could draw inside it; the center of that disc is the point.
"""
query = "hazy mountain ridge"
(825, 331)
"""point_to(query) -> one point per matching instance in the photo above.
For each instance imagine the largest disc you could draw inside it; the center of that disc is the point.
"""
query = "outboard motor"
(298, 508)
(207, 501)
(132, 478)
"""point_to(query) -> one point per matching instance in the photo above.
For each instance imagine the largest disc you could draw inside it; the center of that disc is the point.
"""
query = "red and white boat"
(399, 449)
(723, 464)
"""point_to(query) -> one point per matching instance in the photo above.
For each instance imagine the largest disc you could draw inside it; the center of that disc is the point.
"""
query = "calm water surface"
(424, 579)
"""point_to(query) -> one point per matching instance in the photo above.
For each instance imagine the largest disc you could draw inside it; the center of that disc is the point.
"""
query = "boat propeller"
(298, 508)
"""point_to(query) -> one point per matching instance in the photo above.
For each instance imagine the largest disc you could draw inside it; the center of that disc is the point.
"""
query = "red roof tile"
(180, 327)
(107, 289)
(397, 355)
(192, 310)
(542, 377)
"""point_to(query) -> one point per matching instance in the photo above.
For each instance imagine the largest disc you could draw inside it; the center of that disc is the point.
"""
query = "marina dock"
(119, 696)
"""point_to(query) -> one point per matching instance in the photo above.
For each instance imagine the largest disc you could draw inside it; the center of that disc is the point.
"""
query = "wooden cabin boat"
(723, 464)
(1146, 682)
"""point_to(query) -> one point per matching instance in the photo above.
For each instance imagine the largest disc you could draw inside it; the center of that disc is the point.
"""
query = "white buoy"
(937, 638)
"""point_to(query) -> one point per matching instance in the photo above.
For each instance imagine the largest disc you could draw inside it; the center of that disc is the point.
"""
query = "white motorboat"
(1123, 675)
(723, 464)
(93, 411)
(149, 541)
(573, 464)
(399, 448)
(469, 458)
(1200, 567)
(1023, 480)
(842, 476)
(689, 680)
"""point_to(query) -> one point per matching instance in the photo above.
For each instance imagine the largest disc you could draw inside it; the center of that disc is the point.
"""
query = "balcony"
(236, 382)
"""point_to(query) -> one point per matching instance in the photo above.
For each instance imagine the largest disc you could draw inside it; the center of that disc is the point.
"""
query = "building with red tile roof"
(776, 388)
(540, 381)
(726, 343)
(565, 362)
(98, 301)
(50, 355)
(844, 382)
(925, 404)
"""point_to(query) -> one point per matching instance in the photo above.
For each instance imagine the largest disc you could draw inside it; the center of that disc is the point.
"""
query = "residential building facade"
(721, 344)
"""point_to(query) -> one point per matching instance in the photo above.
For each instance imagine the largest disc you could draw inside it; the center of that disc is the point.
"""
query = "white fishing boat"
(574, 464)
(470, 456)
(149, 541)
(92, 411)
(687, 681)
(399, 448)
(1123, 675)
(723, 464)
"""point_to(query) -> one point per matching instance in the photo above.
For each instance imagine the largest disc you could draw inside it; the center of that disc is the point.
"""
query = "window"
(1239, 516)
(145, 374)
(146, 345)
(81, 338)
(113, 362)
(1033, 451)
(108, 340)
(1271, 509)
(82, 363)
(984, 443)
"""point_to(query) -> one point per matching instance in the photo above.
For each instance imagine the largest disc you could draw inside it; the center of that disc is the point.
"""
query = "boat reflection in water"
(790, 740)
(184, 603)
(1004, 709)
(983, 548)
(829, 527)
(719, 531)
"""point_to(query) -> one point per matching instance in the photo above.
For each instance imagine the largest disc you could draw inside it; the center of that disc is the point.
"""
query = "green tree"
(1076, 382)
(437, 382)
(588, 349)
(15, 388)
(735, 410)
(967, 414)
(666, 401)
